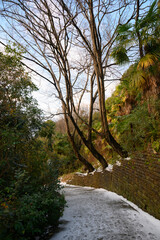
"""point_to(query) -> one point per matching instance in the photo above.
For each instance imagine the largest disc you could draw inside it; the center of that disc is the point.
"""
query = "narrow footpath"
(96, 214)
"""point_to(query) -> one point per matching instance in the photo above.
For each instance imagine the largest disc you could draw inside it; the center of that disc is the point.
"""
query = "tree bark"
(138, 33)
(100, 82)
(89, 144)
(88, 165)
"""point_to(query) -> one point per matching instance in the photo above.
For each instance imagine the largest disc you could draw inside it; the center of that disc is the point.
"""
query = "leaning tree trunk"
(87, 165)
(97, 60)
(93, 47)
(89, 144)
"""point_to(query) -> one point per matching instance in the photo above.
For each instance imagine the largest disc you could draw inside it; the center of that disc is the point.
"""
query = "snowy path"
(96, 214)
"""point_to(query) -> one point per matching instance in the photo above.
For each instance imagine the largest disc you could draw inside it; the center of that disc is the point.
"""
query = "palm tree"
(145, 33)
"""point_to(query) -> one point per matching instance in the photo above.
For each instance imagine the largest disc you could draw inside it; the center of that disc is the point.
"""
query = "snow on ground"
(97, 214)
(118, 163)
(109, 168)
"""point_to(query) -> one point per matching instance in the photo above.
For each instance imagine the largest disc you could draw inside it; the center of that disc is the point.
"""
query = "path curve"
(97, 214)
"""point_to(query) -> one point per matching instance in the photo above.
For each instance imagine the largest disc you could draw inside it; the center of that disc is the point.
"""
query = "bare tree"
(90, 36)
(52, 32)
(48, 41)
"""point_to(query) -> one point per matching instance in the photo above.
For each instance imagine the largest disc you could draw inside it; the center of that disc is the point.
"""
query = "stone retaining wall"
(137, 179)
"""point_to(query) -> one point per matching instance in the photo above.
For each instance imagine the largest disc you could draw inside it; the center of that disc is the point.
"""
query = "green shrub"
(29, 189)
(138, 128)
(28, 206)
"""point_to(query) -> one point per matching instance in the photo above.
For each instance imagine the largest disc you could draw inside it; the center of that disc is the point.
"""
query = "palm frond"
(150, 17)
(123, 28)
(148, 60)
(119, 54)
(139, 79)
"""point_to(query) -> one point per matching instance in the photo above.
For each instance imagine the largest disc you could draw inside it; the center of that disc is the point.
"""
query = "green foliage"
(47, 131)
(138, 128)
(64, 154)
(119, 53)
(20, 118)
(150, 21)
(141, 126)
(96, 121)
(29, 188)
(156, 145)
(133, 122)
(58, 148)
(29, 205)
(123, 29)
(148, 27)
